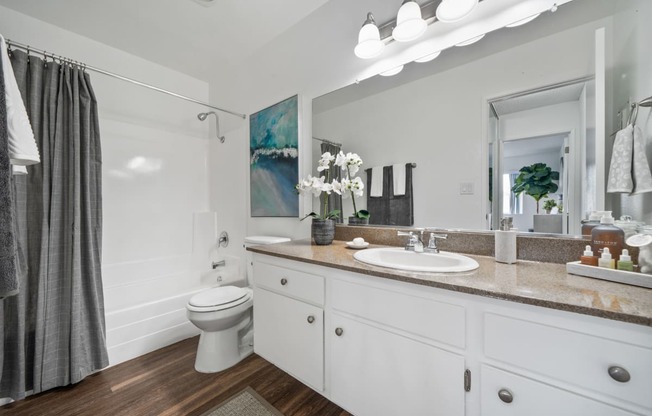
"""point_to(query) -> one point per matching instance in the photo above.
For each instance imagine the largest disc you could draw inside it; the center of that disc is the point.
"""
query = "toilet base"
(220, 350)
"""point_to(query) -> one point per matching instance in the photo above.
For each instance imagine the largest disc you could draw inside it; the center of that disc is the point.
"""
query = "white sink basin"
(399, 258)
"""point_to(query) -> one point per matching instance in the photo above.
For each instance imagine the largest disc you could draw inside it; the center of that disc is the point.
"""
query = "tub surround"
(528, 282)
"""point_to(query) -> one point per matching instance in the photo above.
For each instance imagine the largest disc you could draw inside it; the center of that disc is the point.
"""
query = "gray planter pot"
(358, 221)
(323, 231)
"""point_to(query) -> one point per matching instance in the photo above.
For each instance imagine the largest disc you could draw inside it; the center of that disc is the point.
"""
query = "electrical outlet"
(466, 188)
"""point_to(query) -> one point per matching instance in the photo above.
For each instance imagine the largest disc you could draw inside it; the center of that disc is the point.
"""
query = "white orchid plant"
(350, 163)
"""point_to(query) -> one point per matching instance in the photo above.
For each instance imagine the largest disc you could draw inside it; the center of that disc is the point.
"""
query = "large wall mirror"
(552, 91)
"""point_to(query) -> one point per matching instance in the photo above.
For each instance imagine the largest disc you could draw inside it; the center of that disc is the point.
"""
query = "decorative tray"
(620, 276)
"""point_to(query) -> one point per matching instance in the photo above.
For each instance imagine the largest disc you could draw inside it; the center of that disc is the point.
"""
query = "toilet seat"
(219, 298)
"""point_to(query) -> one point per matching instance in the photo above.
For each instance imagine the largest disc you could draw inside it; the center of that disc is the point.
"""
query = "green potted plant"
(351, 163)
(536, 181)
(323, 226)
(549, 205)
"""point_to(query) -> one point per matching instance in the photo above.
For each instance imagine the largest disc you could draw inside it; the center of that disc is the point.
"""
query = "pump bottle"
(607, 235)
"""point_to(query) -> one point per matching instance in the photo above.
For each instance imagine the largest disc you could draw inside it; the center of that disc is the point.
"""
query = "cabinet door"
(290, 334)
(532, 398)
(375, 372)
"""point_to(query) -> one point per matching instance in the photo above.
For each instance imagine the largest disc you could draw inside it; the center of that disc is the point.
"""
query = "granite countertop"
(534, 283)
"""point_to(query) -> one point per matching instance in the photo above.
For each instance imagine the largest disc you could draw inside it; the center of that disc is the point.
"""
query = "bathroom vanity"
(524, 339)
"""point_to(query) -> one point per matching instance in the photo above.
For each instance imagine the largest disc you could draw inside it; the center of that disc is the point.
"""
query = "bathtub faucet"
(217, 264)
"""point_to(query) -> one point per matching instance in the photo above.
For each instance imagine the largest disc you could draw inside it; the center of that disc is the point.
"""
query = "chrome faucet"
(217, 264)
(432, 242)
(414, 242)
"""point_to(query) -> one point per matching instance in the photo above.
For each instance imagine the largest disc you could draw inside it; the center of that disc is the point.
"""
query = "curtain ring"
(27, 53)
(45, 59)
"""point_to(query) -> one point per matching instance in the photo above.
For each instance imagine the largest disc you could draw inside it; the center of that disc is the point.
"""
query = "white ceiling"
(180, 34)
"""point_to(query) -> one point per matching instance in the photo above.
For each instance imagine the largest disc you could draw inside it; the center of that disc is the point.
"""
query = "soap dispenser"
(505, 242)
(607, 235)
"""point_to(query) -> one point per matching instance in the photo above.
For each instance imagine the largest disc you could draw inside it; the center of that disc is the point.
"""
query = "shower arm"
(203, 116)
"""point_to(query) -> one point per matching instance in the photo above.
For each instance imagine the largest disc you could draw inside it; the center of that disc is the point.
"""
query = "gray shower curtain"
(53, 331)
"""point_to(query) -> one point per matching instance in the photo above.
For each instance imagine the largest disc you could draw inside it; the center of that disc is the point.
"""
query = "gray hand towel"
(8, 276)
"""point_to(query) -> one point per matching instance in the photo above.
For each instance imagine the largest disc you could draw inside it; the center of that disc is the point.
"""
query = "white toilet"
(224, 315)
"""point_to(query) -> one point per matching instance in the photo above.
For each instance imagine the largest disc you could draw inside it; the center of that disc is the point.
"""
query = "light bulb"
(450, 11)
(427, 58)
(392, 71)
(409, 23)
(470, 41)
(369, 43)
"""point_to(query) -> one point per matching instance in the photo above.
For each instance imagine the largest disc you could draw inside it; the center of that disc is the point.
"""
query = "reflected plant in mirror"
(537, 181)
(353, 185)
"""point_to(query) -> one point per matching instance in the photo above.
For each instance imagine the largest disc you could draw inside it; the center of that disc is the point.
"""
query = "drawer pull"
(339, 332)
(284, 281)
(619, 374)
(311, 319)
(505, 395)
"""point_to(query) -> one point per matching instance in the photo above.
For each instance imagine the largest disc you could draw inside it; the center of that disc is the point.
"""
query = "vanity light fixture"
(523, 21)
(409, 23)
(392, 71)
(470, 41)
(428, 57)
(369, 43)
(450, 11)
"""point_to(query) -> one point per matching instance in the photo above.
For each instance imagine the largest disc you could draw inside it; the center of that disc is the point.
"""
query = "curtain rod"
(120, 77)
(327, 141)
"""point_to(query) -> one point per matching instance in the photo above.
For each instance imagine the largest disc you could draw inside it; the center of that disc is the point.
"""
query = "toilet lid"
(218, 296)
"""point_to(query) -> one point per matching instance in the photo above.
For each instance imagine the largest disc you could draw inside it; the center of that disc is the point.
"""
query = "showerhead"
(202, 117)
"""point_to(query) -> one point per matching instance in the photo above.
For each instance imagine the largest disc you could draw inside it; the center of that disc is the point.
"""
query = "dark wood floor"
(165, 383)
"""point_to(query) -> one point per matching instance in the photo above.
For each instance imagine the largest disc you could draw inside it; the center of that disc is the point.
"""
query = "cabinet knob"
(505, 395)
(311, 319)
(284, 281)
(619, 374)
(339, 332)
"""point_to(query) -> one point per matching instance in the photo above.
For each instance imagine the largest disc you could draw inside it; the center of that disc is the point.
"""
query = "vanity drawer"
(299, 285)
(577, 358)
(439, 321)
(507, 394)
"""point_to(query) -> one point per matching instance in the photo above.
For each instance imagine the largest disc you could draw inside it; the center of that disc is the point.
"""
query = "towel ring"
(633, 114)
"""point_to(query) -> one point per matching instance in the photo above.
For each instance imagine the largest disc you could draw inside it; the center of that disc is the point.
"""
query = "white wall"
(155, 176)
(632, 80)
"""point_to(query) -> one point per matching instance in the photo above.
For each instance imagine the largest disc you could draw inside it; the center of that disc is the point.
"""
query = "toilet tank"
(255, 241)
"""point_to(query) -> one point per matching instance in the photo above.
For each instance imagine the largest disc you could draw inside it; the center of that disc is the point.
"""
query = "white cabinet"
(289, 321)
(507, 394)
(403, 349)
(290, 334)
(375, 372)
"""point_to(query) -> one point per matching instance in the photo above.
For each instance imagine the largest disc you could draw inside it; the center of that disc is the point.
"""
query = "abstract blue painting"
(274, 160)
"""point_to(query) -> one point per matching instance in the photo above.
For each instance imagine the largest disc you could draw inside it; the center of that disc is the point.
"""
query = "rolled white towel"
(376, 182)
(18, 170)
(398, 177)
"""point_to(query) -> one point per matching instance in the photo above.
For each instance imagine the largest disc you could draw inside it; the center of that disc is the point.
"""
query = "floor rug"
(245, 403)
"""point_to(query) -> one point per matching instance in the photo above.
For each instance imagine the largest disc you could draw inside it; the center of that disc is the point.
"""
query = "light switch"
(466, 188)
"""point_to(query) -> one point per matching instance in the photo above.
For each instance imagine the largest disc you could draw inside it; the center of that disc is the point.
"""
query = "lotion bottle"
(588, 258)
(505, 242)
(607, 235)
(605, 260)
(625, 261)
